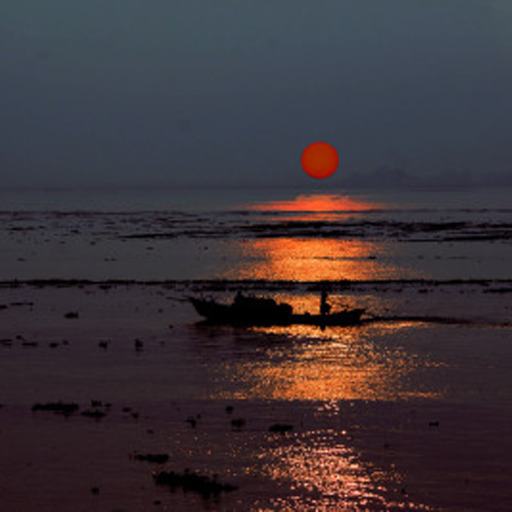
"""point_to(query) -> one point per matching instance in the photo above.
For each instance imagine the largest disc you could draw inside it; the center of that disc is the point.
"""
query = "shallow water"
(410, 410)
(306, 237)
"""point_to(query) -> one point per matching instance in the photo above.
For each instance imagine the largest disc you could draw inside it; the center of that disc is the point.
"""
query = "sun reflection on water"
(311, 259)
(318, 203)
(335, 364)
(306, 362)
(318, 470)
(296, 257)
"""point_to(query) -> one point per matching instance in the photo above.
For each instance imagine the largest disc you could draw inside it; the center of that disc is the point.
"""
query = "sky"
(216, 92)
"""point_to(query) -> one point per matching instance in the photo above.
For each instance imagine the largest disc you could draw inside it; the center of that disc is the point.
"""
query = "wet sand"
(368, 455)
(386, 416)
(103, 363)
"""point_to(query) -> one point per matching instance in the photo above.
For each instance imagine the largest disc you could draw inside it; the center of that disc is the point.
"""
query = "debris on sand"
(71, 314)
(97, 415)
(154, 458)
(191, 421)
(238, 423)
(280, 428)
(189, 481)
(57, 407)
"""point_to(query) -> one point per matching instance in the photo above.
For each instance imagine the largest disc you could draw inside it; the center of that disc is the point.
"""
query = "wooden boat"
(247, 311)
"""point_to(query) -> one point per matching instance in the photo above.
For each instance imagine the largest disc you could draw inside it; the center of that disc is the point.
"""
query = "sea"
(256, 235)
(431, 268)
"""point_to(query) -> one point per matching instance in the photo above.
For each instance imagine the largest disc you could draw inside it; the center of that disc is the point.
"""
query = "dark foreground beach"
(389, 415)
(114, 397)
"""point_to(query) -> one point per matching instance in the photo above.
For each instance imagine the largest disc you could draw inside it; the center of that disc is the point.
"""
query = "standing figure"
(325, 307)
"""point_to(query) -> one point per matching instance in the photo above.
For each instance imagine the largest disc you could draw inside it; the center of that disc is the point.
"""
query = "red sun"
(320, 160)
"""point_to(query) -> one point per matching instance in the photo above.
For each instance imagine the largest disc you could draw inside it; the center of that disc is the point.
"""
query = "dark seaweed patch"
(56, 407)
(95, 414)
(280, 428)
(189, 481)
(154, 458)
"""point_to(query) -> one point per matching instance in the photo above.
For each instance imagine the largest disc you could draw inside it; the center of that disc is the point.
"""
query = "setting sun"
(320, 160)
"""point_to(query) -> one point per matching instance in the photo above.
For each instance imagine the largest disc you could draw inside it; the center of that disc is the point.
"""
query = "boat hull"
(216, 313)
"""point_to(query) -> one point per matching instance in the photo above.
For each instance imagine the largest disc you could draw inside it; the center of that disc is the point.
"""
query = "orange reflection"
(311, 259)
(307, 363)
(335, 364)
(317, 203)
(319, 207)
(324, 473)
(308, 258)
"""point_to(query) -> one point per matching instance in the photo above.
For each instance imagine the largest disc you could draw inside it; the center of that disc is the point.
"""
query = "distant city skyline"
(229, 93)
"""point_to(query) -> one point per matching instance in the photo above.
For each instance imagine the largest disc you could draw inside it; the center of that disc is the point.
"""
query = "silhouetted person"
(325, 307)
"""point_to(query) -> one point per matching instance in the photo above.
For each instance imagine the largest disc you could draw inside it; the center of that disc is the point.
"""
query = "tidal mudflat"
(388, 415)
(116, 397)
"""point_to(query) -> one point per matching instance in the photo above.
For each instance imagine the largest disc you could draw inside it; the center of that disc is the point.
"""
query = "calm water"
(255, 235)
(418, 254)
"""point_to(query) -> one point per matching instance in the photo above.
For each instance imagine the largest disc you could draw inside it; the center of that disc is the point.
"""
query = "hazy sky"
(163, 92)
